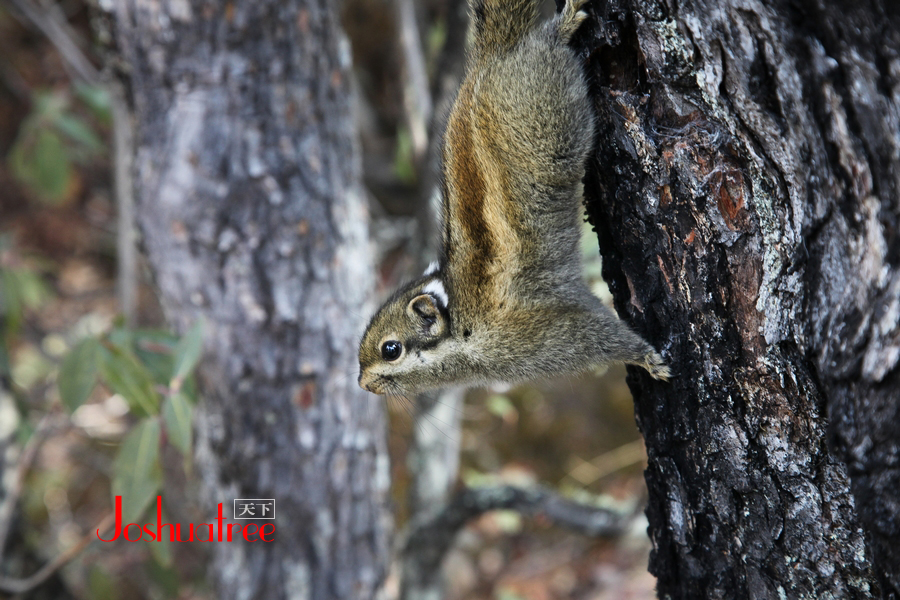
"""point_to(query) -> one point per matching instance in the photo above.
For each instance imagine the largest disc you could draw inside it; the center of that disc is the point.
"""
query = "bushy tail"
(499, 24)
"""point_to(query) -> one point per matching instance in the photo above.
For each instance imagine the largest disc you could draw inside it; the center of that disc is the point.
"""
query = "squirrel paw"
(571, 18)
(656, 366)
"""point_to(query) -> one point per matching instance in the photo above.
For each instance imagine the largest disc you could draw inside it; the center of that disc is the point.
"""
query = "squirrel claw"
(656, 366)
(571, 18)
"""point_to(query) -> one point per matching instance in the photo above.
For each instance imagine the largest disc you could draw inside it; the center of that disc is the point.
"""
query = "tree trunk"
(746, 196)
(253, 218)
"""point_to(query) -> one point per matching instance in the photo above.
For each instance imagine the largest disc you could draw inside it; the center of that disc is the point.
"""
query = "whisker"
(421, 418)
(356, 314)
(451, 438)
(431, 418)
(460, 410)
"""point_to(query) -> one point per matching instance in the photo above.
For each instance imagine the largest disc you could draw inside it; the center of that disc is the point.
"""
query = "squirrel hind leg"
(571, 18)
(500, 24)
(620, 343)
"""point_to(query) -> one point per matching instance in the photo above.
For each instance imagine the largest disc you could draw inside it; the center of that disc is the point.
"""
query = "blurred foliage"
(129, 393)
(21, 289)
(435, 40)
(57, 135)
(404, 161)
(151, 370)
(63, 132)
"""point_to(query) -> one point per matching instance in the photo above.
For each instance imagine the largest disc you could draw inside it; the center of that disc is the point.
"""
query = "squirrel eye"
(391, 350)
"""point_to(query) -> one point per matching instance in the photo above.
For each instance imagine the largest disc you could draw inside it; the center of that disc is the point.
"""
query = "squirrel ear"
(425, 310)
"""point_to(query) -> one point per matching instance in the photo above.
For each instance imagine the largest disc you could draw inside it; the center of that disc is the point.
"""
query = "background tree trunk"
(746, 195)
(252, 216)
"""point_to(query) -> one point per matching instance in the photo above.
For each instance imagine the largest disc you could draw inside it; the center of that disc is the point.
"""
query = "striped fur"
(507, 301)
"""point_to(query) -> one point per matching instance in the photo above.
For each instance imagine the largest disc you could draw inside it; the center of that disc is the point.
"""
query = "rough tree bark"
(746, 195)
(252, 217)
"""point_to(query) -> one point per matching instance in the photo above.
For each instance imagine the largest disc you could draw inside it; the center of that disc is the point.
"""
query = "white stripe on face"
(432, 268)
(436, 289)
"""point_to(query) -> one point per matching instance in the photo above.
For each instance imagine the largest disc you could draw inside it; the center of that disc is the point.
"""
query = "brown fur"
(514, 151)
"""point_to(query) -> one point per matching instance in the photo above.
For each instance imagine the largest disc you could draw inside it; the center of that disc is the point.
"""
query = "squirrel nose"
(365, 382)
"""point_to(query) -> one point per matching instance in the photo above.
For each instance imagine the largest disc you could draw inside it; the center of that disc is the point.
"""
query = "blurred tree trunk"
(746, 195)
(252, 215)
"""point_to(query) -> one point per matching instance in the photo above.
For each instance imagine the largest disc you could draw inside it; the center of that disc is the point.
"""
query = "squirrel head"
(400, 352)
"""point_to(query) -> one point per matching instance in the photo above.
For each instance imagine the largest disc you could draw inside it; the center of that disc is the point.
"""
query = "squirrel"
(506, 301)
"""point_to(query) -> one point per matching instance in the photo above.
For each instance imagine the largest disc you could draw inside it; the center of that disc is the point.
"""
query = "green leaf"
(177, 413)
(20, 289)
(5, 365)
(156, 340)
(126, 376)
(137, 475)
(161, 550)
(165, 579)
(101, 586)
(501, 406)
(404, 167)
(31, 289)
(96, 98)
(122, 337)
(79, 131)
(435, 41)
(42, 164)
(30, 367)
(52, 164)
(47, 105)
(155, 349)
(10, 304)
(187, 354)
(78, 373)
(24, 432)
